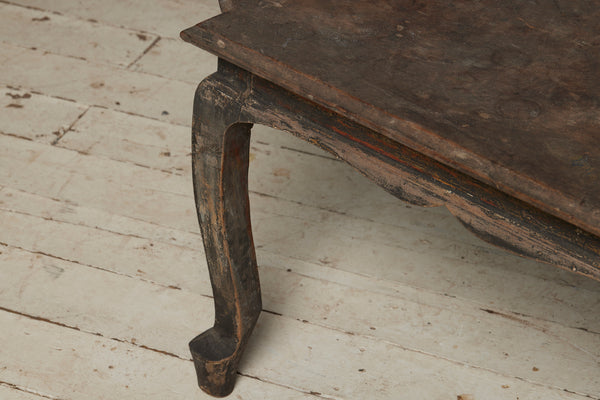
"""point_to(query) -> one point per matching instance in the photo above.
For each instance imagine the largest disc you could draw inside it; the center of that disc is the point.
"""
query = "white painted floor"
(102, 273)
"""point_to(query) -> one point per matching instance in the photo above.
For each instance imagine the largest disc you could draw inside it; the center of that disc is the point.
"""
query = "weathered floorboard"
(292, 230)
(96, 84)
(164, 17)
(109, 200)
(64, 363)
(90, 313)
(40, 118)
(73, 37)
(13, 392)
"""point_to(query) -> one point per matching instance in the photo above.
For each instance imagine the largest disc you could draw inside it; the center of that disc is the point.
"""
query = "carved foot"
(216, 357)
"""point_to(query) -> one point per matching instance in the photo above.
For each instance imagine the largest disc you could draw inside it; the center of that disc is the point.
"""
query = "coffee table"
(491, 109)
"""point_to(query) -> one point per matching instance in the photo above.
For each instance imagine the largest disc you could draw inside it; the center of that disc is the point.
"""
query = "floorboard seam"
(78, 18)
(312, 393)
(28, 391)
(128, 235)
(63, 132)
(146, 50)
(137, 278)
(75, 328)
(504, 313)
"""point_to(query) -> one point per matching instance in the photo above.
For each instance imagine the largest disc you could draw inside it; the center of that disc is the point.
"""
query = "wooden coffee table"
(491, 109)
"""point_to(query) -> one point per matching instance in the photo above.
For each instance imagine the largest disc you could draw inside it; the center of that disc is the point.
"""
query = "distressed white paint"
(40, 118)
(100, 234)
(96, 84)
(176, 59)
(9, 392)
(63, 363)
(72, 37)
(163, 17)
(293, 229)
(96, 300)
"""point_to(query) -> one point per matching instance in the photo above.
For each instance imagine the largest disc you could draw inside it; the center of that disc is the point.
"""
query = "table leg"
(220, 155)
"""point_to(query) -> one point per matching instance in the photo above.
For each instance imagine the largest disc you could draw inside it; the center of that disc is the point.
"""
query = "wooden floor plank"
(426, 323)
(67, 364)
(134, 139)
(164, 17)
(31, 116)
(96, 301)
(72, 37)
(374, 370)
(281, 228)
(95, 84)
(101, 303)
(70, 168)
(61, 211)
(11, 392)
(573, 306)
(192, 66)
(430, 223)
(161, 145)
(130, 256)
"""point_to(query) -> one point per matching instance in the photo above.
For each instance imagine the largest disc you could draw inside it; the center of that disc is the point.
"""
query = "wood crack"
(75, 328)
(92, 266)
(29, 391)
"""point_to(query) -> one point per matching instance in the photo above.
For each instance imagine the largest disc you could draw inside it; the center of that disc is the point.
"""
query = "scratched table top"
(507, 92)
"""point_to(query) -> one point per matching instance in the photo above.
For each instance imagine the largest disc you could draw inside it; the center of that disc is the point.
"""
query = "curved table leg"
(220, 152)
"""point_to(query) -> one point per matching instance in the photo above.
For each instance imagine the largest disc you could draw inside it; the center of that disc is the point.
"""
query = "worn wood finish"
(220, 151)
(506, 92)
(227, 5)
(489, 109)
(232, 99)
(104, 280)
(491, 214)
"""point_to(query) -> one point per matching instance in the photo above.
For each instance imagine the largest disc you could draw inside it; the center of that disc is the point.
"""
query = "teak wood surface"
(491, 109)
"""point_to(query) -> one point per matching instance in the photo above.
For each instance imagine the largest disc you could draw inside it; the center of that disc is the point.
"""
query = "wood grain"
(504, 92)
(226, 105)
(489, 213)
(220, 157)
(98, 226)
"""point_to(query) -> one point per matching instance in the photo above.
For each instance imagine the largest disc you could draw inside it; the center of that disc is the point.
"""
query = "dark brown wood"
(506, 92)
(220, 151)
(491, 109)
(228, 5)
(493, 215)
(226, 105)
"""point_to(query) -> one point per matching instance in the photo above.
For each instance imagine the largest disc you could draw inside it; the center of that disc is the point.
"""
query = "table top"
(507, 92)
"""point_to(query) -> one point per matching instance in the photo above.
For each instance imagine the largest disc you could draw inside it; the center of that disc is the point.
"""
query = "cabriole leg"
(220, 153)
